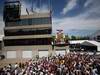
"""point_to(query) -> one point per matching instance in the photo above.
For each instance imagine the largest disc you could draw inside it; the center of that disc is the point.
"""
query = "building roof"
(85, 42)
(77, 41)
(91, 43)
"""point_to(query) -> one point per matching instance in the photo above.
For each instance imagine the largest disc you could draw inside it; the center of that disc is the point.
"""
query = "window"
(21, 42)
(27, 32)
(32, 21)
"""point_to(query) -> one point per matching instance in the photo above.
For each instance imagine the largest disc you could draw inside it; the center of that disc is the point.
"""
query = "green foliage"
(67, 37)
(53, 38)
(73, 37)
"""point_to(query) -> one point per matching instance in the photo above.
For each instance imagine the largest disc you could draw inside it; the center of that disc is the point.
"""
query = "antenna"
(50, 4)
(32, 9)
(40, 5)
(32, 6)
(27, 11)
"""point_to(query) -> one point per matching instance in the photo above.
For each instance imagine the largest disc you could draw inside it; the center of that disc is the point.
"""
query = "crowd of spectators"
(68, 64)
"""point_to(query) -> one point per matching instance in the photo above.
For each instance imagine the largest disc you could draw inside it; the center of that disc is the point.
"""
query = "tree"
(67, 37)
(73, 37)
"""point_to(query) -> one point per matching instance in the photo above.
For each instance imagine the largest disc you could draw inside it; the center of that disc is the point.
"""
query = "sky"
(72, 16)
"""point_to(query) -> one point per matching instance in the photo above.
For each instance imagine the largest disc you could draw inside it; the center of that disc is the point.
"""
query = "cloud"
(75, 23)
(87, 20)
(89, 9)
(36, 9)
(92, 10)
(70, 5)
(88, 2)
(42, 9)
(23, 8)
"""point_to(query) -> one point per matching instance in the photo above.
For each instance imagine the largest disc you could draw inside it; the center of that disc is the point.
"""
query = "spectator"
(69, 64)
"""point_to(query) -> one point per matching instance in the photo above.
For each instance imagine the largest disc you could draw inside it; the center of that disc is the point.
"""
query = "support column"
(67, 49)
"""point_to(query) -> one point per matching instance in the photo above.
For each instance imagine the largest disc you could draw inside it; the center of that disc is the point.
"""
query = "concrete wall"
(28, 36)
(19, 49)
(57, 48)
(36, 15)
(19, 53)
(28, 26)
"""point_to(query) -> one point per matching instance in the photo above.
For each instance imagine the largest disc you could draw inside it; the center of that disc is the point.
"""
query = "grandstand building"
(26, 36)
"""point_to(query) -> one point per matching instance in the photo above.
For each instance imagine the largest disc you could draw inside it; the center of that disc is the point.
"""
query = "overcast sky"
(66, 14)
